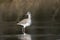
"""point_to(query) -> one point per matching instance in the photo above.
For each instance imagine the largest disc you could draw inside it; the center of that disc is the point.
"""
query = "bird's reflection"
(24, 37)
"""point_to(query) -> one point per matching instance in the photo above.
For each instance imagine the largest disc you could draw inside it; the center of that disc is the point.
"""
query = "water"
(24, 37)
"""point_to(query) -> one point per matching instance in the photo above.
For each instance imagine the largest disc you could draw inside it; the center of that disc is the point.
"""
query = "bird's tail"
(18, 23)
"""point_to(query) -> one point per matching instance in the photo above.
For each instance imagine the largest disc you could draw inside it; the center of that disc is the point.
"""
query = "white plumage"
(26, 22)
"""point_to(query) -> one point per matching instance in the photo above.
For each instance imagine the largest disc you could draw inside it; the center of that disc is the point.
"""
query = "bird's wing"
(24, 21)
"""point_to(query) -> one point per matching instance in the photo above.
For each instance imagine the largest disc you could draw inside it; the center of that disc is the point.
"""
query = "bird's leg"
(23, 30)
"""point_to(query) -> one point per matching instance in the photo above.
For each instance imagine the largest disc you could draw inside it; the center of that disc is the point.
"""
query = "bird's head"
(28, 13)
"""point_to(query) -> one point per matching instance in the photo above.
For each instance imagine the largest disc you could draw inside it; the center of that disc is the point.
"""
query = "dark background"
(45, 18)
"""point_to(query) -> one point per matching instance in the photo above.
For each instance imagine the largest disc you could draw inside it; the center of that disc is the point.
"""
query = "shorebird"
(25, 22)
